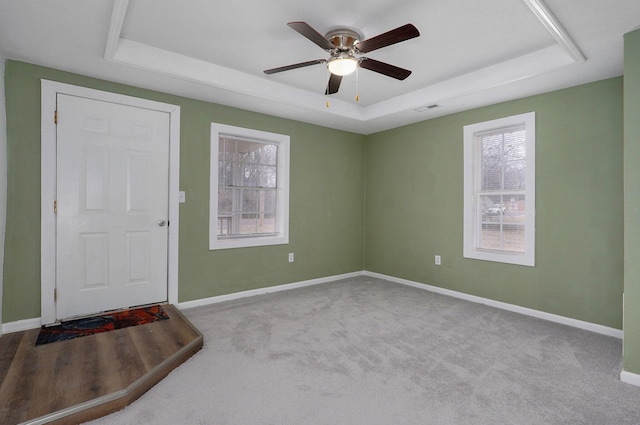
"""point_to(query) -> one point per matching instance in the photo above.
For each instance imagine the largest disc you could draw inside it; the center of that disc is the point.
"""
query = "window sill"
(248, 242)
(519, 259)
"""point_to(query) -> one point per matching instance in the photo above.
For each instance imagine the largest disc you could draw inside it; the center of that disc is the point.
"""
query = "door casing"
(49, 92)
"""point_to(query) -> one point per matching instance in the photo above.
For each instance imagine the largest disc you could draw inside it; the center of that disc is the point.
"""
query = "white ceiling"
(470, 52)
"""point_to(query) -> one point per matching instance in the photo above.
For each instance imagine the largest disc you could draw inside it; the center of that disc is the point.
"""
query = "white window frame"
(283, 188)
(472, 210)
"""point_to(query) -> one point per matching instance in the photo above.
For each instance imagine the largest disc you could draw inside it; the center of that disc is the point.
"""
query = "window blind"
(500, 189)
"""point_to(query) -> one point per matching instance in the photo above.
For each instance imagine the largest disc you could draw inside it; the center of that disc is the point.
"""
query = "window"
(249, 188)
(499, 190)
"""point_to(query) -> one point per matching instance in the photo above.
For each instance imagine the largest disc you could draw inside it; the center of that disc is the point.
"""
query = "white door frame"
(50, 89)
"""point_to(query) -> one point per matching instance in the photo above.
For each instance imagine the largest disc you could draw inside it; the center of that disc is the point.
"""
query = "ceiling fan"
(344, 45)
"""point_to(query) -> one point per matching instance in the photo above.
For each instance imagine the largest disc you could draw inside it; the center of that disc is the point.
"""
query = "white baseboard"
(21, 325)
(593, 327)
(262, 291)
(630, 378)
(26, 324)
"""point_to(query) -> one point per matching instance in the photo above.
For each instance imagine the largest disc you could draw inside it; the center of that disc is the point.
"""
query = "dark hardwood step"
(78, 380)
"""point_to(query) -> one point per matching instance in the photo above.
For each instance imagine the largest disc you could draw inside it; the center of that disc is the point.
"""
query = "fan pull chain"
(357, 79)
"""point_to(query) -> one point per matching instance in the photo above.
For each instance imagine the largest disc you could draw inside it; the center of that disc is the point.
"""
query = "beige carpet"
(367, 351)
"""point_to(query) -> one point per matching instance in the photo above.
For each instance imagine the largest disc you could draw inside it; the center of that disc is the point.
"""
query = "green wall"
(326, 199)
(414, 206)
(386, 203)
(632, 202)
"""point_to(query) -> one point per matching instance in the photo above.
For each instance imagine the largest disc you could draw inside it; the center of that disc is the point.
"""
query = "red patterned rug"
(98, 324)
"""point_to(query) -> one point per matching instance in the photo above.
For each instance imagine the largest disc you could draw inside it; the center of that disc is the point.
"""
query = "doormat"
(103, 323)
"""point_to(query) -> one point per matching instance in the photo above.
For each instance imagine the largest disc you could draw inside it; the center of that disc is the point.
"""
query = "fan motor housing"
(344, 39)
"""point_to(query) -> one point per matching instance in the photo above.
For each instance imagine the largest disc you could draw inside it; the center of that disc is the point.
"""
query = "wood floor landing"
(78, 380)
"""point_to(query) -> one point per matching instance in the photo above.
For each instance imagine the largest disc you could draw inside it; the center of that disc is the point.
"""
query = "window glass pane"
(248, 224)
(267, 223)
(504, 237)
(491, 205)
(515, 160)
(225, 201)
(268, 176)
(225, 224)
(491, 162)
(502, 223)
(252, 188)
(244, 169)
(269, 154)
(250, 175)
(243, 210)
(245, 163)
(226, 149)
(515, 174)
(225, 173)
(249, 201)
(502, 160)
(269, 202)
(244, 150)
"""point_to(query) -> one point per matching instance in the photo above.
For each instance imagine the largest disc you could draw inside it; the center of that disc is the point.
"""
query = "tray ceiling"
(469, 53)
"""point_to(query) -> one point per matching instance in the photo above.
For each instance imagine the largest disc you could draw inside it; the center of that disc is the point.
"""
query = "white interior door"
(112, 206)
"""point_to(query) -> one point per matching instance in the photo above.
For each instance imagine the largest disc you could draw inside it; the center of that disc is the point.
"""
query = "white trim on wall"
(21, 325)
(630, 378)
(267, 290)
(50, 89)
(580, 324)
(555, 28)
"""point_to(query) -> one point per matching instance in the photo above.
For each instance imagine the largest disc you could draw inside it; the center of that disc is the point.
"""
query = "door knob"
(162, 223)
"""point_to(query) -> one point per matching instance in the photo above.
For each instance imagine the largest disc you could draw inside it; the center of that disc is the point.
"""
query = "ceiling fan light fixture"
(342, 65)
(343, 44)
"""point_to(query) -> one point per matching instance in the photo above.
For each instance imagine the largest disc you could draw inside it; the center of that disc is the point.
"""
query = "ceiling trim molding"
(551, 23)
(509, 71)
(118, 14)
(131, 53)
(187, 68)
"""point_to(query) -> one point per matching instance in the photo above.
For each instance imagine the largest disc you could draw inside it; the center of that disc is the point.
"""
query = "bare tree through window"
(501, 189)
(247, 187)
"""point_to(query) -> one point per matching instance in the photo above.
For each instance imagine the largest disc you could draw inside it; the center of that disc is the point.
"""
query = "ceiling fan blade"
(384, 68)
(294, 66)
(306, 30)
(334, 84)
(405, 32)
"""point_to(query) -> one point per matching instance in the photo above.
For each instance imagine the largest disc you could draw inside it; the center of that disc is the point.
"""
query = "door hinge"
(55, 207)
(55, 117)
(55, 295)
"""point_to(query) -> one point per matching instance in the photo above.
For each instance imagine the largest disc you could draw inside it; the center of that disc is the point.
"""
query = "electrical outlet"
(438, 260)
(291, 257)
